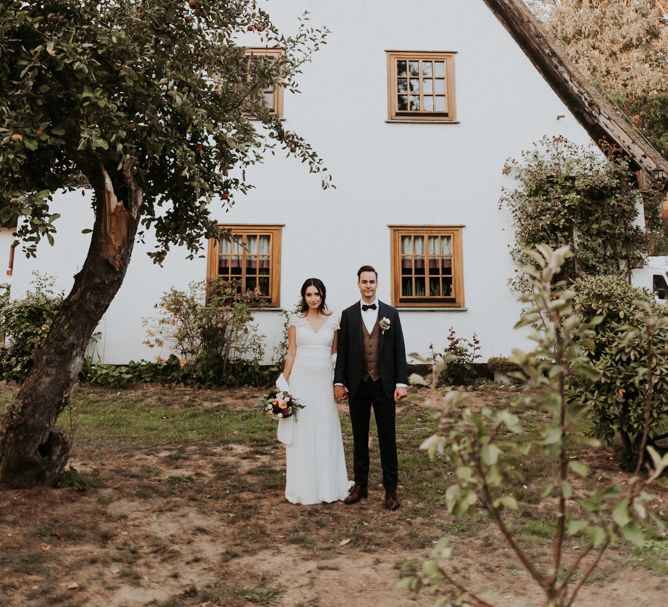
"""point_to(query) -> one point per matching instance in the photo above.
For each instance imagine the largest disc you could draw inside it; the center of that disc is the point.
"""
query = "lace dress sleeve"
(292, 320)
(336, 321)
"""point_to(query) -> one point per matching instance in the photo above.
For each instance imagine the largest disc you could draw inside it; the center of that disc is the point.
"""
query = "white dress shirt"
(369, 316)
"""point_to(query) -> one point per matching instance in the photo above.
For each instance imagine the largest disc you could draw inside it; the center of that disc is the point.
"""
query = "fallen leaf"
(344, 542)
(72, 586)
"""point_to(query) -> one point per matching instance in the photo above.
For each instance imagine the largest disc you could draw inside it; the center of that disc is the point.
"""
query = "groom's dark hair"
(366, 269)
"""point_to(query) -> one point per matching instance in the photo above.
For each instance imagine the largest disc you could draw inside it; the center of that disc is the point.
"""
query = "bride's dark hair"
(322, 291)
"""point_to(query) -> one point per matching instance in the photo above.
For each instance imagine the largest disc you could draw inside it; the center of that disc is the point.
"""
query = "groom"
(371, 371)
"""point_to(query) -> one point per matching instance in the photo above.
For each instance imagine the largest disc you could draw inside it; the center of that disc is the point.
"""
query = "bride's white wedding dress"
(316, 465)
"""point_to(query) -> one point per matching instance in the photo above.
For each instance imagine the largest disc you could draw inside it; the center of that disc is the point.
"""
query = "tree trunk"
(32, 451)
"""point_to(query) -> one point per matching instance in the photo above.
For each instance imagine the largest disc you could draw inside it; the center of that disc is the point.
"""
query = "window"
(421, 86)
(250, 259)
(427, 266)
(272, 95)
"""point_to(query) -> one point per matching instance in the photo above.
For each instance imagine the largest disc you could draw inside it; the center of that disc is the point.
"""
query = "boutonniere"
(384, 324)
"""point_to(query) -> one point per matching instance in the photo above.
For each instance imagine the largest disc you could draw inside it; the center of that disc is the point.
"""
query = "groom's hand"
(340, 393)
(399, 393)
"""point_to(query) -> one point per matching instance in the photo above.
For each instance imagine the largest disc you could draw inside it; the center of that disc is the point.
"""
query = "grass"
(211, 451)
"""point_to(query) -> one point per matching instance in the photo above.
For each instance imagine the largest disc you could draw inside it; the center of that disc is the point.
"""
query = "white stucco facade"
(385, 174)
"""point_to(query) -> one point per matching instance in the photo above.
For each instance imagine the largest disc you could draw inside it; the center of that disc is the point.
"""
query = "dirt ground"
(207, 525)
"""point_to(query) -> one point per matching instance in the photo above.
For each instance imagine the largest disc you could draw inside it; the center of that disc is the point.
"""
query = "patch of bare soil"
(208, 526)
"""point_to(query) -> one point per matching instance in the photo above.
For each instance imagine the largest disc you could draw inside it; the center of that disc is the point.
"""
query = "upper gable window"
(421, 86)
(272, 95)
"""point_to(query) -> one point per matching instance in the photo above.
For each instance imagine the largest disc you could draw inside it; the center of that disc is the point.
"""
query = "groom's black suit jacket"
(350, 351)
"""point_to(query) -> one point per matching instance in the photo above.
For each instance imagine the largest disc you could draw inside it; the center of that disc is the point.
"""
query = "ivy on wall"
(567, 194)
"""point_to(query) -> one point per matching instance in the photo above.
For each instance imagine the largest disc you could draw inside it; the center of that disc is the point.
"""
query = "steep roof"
(600, 117)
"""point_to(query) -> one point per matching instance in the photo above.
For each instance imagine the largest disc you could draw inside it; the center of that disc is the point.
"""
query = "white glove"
(282, 383)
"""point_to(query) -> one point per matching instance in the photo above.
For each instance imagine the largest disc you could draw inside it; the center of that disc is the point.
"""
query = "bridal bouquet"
(279, 404)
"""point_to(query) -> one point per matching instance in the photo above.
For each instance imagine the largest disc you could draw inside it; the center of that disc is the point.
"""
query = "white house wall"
(438, 174)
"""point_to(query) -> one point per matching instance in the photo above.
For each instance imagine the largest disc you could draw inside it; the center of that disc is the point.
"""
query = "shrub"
(210, 327)
(459, 357)
(570, 194)
(485, 447)
(25, 323)
(621, 357)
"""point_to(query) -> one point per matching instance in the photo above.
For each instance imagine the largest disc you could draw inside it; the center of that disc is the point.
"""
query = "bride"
(316, 466)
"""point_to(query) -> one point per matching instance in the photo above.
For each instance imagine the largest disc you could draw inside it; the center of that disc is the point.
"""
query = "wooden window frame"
(244, 230)
(393, 112)
(457, 299)
(274, 53)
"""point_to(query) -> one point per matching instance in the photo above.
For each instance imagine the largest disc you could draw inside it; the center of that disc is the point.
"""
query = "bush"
(210, 327)
(619, 353)
(569, 194)
(24, 324)
(459, 357)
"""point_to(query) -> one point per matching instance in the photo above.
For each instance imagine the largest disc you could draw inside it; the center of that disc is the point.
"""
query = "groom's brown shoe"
(391, 500)
(356, 493)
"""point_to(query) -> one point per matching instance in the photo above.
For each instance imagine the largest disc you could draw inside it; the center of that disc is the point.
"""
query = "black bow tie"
(369, 307)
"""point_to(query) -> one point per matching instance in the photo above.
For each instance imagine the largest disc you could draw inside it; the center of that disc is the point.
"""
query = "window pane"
(414, 104)
(268, 100)
(263, 264)
(406, 244)
(440, 86)
(250, 284)
(428, 86)
(415, 85)
(446, 266)
(401, 68)
(263, 284)
(439, 69)
(419, 287)
(407, 266)
(251, 245)
(434, 287)
(428, 103)
(418, 245)
(440, 104)
(426, 68)
(224, 245)
(413, 69)
(447, 287)
(402, 85)
(264, 244)
(402, 103)
(446, 245)
(406, 287)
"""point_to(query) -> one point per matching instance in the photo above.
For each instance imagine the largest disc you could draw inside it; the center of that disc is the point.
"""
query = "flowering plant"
(384, 324)
(279, 405)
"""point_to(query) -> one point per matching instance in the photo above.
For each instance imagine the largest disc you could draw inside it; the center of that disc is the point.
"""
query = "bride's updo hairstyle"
(322, 291)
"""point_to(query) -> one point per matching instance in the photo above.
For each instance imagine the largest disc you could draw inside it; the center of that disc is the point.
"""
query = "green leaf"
(597, 535)
(506, 501)
(620, 513)
(576, 526)
(31, 144)
(552, 435)
(566, 489)
(490, 454)
(578, 468)
(632, 533)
